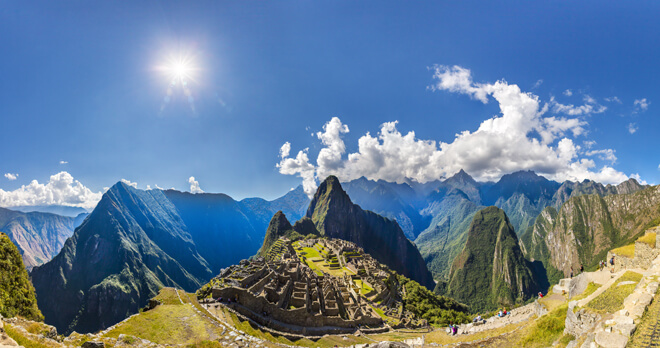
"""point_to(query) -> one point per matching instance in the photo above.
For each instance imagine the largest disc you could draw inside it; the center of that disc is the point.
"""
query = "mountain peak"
(462, 177)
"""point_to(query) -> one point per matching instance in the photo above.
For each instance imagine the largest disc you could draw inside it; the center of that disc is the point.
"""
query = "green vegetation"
(169, 323)
(547, 329)
(491, 245)
(648, 239)
(611, 300)
(437, 310)
(22, 340)
(645, 328)
(591, 288)
(627, 251)
(17, 296)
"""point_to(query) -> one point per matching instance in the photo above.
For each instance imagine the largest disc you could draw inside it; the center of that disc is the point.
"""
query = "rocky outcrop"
(335, 216)
(588, 226)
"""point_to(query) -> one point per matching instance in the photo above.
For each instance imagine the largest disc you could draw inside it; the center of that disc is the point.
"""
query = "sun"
(180, 70)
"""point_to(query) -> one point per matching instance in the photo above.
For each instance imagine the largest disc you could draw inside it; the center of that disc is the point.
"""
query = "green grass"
(611, 300)
(648, 239)
(546, 329)
(627, 251)
(22, 340)
(171, 323)
(591, 288)
(364, 287)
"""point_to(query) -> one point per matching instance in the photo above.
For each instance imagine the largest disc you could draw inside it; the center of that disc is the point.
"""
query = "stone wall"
(253, 307)
(580, 323)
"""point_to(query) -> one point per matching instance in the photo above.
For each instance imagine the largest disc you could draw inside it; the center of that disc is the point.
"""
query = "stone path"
(516, 315)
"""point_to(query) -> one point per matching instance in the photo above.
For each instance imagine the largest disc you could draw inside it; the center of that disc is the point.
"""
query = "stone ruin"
(282, 292)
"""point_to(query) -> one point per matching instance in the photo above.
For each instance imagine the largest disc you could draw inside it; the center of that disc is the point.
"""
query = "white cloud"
(568, 93)
(285, 149)
(194, 185)
(64, 162)
(605, 154)
(590, 106)
(632, 128)
(129, 183)
(61, 189)
(614, 99)
(589, 143)
(641, 104)
(148, 187)
(11, 177)
(520, 138)
(537, 84)
(638, 178)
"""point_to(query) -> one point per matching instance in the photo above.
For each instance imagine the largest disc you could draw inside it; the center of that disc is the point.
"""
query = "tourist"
(454, 330)
(540, 294)
(571, 272)
(581, 268)
(505, 311)
(500, 314)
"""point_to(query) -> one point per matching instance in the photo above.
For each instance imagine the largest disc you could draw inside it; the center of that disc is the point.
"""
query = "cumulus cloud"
(632, 128)
(194, 185)
(129, 183)
(568, 93)
(590, 106)
(641, 104)
(605, 154)
(64, 162)
(285, 149)
(61, 189)
(519, 138)
(11, 177)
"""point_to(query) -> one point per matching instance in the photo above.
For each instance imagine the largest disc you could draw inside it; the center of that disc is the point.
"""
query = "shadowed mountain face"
(135, 242)
(38, 236)
(490, 271)
(335, 216)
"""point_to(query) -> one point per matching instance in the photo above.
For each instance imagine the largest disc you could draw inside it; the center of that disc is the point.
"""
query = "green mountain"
(490, 271)
(587, 226)
(17, 295)
(38, 236)
(335, 216)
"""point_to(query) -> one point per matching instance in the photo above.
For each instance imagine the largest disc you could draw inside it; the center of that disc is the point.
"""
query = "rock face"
(587, 226)
(17, 295)
(135, 242)
(335, 216)
(278, 227)
(491, 270)
(38, 236)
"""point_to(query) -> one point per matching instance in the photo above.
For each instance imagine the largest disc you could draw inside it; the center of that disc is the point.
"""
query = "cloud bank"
(519, 138)
(61, 189)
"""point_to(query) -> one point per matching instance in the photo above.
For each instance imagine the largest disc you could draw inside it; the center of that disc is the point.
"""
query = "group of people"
(581, 270)
(603, 264)
(502, 312)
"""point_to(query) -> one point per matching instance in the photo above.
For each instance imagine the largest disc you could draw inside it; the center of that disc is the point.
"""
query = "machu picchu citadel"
(313, 287)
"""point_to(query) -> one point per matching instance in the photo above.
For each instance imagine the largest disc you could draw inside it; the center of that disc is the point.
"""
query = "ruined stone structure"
(284, 293)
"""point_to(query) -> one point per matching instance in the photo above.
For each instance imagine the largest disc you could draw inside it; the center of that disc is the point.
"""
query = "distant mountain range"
(136, 241)
(437, 215)
(38, 236)
(62, 210)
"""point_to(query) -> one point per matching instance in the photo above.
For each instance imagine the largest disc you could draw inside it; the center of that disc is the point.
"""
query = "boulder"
(611, 340)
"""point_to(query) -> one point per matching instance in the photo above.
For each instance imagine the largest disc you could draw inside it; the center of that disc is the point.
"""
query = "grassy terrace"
(629, 250)
(316, 259)
(611, 300)
(169, 323)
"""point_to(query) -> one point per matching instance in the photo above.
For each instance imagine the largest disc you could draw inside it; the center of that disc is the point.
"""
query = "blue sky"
(79, 84)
